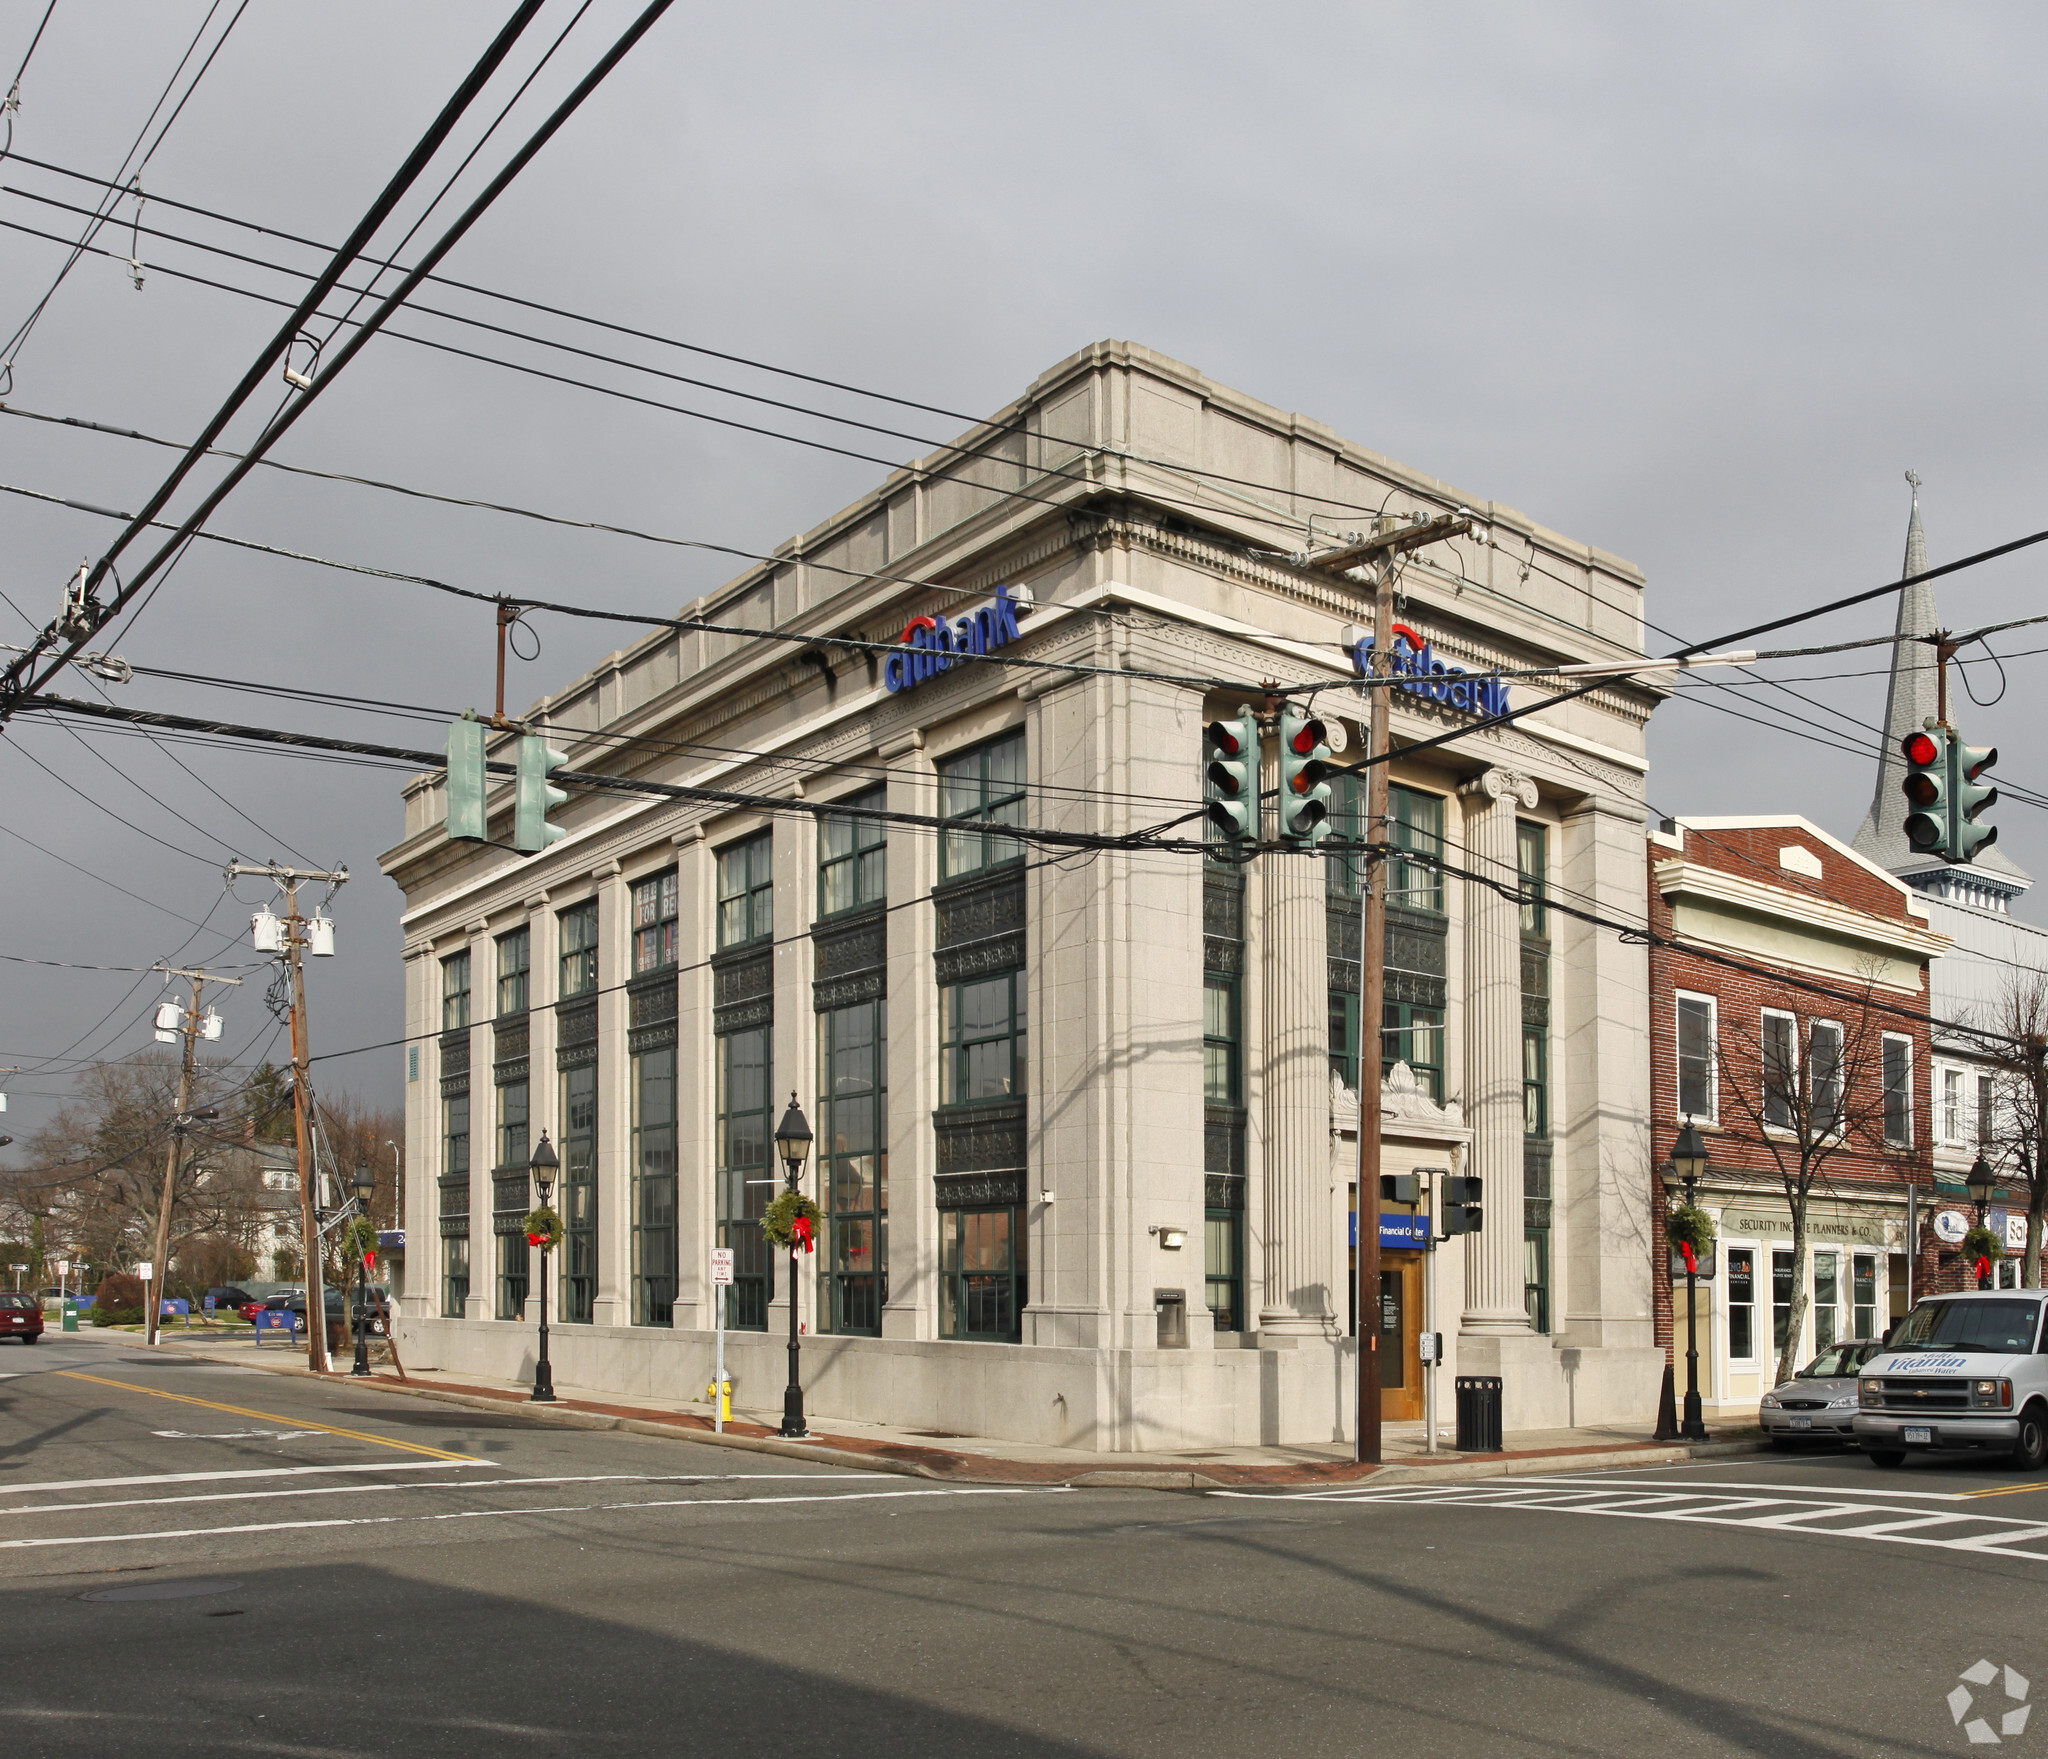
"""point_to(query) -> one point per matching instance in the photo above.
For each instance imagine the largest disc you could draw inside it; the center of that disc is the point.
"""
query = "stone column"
(1494, 1304)
(1297, 1254)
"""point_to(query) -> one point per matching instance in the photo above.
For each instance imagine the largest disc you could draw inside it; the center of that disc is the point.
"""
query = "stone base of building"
(1293, 1393)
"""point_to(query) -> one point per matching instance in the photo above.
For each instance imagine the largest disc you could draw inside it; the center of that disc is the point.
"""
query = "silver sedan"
(1819, 1402)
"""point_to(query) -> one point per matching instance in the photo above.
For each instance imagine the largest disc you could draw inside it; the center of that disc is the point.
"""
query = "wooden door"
(1400, 1337)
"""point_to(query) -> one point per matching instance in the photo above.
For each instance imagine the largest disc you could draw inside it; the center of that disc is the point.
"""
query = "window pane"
(1695, 1057)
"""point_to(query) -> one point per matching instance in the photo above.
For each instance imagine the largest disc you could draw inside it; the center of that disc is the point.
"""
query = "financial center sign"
(1418, 671)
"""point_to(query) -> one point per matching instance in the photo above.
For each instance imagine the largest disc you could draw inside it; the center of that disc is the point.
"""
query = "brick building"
(1796, 1036)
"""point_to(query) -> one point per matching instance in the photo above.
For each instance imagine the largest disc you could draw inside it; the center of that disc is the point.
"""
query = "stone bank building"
(1086, 1119)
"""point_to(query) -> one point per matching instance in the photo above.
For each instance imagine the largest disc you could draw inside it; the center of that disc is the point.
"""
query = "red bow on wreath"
(800, 1231)
(536, 1239)
(1983, 1270)
(1691, 1263)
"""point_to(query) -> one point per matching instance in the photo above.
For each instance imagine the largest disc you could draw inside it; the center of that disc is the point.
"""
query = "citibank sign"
(931, 645)
(1418, 671)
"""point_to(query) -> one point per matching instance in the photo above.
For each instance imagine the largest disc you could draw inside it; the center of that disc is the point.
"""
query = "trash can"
(1478, 1413)
(70, 1317)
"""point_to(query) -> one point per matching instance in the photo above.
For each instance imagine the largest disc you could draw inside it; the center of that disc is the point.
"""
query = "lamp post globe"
(1688, 1167)
(544, 1164)
(365, 1183)
(793, 1145)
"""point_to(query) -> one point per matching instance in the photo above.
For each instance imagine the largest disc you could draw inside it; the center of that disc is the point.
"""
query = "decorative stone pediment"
(1406, 1110)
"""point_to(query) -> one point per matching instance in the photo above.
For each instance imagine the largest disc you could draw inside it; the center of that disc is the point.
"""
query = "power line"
(12, 684)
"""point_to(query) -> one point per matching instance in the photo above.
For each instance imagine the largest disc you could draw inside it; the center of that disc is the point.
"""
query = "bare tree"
(1809, 1086)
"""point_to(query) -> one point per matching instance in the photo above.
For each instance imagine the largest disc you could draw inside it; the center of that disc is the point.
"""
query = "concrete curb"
(1446, 1471)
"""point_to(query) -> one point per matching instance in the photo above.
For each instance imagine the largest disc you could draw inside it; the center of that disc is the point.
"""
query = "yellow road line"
(410, 1447)
(2009, 1490)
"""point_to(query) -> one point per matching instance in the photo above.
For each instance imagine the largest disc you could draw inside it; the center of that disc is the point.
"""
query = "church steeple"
(1910, 702)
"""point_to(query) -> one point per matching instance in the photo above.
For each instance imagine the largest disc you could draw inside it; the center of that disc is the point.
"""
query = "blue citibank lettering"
(930, 644)
(1421, 673)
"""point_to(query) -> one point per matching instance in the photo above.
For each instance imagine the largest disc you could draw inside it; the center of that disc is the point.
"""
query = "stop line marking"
(1772, 1508)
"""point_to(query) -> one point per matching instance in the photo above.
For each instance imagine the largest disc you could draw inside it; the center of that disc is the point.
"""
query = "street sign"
(721, 1266)
(1703, 1265)
(145, 1270)
(1950, 1225)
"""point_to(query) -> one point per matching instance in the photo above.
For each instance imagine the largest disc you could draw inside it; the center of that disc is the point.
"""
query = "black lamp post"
(545, 1164)
(366, 1188)
(1688, 1167)
(1982, 1182)
(793, 1144)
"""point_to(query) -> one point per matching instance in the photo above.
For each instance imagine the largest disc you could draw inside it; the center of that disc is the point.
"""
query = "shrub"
(119, 1289)
(104, 1315)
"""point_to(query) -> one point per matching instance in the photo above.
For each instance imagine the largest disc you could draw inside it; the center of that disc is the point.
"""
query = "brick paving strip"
(960, 1466)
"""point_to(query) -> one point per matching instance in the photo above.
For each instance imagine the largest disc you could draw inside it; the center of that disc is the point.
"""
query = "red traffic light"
(1224, 737)
(1308, 736)
(1921, 790)
(1920, 748)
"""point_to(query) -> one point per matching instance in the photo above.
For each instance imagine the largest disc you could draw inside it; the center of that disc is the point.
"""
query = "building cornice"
(1692, 881)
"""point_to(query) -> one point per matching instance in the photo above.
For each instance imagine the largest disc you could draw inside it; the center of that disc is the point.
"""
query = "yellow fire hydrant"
(719, 1392)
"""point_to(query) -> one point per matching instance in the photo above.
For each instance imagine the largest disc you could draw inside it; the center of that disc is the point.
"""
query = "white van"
(1960, 1371)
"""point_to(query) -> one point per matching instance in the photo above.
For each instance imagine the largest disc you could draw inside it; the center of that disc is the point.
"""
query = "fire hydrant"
(719, 1392)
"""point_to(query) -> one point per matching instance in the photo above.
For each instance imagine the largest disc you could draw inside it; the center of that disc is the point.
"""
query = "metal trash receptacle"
(1478, 1413)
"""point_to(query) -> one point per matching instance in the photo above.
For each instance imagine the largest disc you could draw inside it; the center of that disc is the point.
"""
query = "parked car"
(21, 1316)
(1961, 1371)
(1819, 1402)
(228, 1298)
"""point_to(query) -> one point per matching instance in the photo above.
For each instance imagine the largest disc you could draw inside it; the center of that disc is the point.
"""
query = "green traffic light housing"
(533, 796)
(467, 817)
(1305, 772)
(1970, 795)
(1233, 776)
(1926, 790)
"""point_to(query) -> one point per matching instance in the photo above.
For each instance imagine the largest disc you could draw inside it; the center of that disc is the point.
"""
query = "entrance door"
(1400, 1336)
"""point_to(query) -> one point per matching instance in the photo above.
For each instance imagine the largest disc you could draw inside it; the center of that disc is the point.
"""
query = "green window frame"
(746, 1172)
(1222, 1039)
(577, 927)
(853, 1166)
(987, 783)
(655, 900)
(983, 1280)
(1415, 821)
(514, 1144)
(579, 1194)
(515, 952)
(1532, 864)
(653, 1195)
(455, 991)
(1414, 1035)
(1536, 1277)
(982, 1039)
(746, 891)
(853, 856)
(1344, 1037)
(515, 1128)
(1535, 1081)
(1344, 871)
(454, 1277)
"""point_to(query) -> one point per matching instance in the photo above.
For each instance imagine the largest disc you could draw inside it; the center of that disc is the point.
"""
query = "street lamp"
(1689, 1166)
(366, 1188)
(793, 1143)
(1982, 1182)
(545, 1164)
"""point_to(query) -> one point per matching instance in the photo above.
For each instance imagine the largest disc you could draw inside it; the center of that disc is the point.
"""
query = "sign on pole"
(721, 1266)
(146, 1270)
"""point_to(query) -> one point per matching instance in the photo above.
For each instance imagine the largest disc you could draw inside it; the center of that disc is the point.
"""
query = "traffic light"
(467, 818)
(1461, 1206)
(1926, 790)
(1968, 796)
(1305, 769)
(1400, 1188)
(1233, 774)
(532, 796)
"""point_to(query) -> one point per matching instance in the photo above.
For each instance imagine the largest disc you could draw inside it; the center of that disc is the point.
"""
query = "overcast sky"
(1697, 285)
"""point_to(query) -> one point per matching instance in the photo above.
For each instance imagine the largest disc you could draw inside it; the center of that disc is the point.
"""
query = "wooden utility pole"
(153, 1299)
(1372, 992)
(302, 1094)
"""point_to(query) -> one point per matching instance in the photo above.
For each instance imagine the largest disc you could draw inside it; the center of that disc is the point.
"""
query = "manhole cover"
(162, 1591)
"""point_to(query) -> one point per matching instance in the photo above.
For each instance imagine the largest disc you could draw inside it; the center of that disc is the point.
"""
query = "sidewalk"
(969, 1459)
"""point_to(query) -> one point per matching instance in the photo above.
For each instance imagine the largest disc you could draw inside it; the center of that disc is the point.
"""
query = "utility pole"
(1381, 552)
(153, 1316)
(294, 949)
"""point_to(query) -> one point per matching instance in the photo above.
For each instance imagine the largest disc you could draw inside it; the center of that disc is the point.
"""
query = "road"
(206, 1560)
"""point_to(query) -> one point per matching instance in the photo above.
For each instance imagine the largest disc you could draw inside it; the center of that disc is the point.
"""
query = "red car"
(21, 1316)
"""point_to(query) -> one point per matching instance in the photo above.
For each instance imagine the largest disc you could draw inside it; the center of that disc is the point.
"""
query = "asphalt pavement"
(202, 1559)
